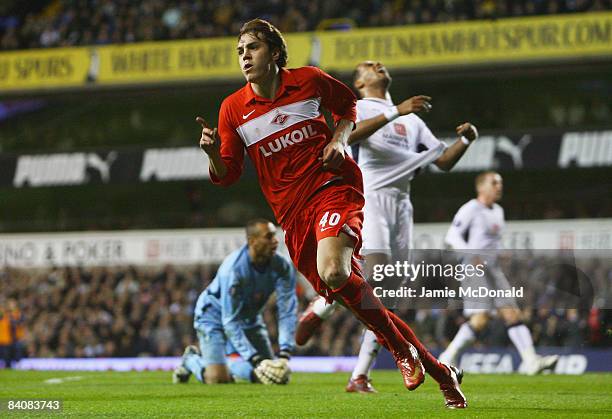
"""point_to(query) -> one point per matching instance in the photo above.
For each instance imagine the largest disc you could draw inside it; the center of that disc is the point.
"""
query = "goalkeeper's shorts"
(214, 344)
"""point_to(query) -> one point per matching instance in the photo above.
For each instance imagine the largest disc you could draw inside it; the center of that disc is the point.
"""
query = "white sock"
(367, 354)
(521, 338)
(322, 309)
(464, 338)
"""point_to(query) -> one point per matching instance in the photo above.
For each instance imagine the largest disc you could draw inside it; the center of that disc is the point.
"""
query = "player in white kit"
(477, 228)
(390, 143)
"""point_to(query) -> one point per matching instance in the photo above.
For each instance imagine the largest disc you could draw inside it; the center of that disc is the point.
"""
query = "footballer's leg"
(217, 374)
(379, 219)
(466, 335)
(520, 336)
(360, 381)
(241, 369)
(335, 268)
(313, 317)
(447, 376)
(477, 313)
(518, 332)
(182, 373)
(209, 365)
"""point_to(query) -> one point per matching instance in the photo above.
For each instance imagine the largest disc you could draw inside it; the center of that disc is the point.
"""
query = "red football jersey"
(285, 137)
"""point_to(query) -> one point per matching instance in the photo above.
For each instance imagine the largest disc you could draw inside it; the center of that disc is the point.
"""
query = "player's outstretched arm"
(367, 127)
(286, 304)
(467, 134)
(209, 143)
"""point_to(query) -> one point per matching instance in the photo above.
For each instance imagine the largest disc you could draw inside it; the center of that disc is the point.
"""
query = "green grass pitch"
(151, 394)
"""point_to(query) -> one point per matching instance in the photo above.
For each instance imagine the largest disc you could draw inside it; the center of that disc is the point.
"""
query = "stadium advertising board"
(420, 46)
(503, 40)
(527, 151)
(502, 361)
(43, 69)
(80, 168)
(180, 60)
(119, 248)
(491, 361)
(502, 152)
(211, 246)
(160, 61)
(140, 63)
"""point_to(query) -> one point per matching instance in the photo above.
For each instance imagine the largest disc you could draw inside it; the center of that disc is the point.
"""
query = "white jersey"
(390, 156)
(476, 227)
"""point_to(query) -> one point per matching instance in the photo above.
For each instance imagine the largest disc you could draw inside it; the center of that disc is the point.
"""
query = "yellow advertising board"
(505, 40)
(181, 60)
(167, 61)
(546, 38)
(140, 63)
(43, 69)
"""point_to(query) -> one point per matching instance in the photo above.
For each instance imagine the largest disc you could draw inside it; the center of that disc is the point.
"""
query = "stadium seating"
(100, 312)
(88, 22)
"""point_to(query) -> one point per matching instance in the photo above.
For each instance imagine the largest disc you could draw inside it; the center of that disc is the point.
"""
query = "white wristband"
(391, 113)
(464, 139)
(475, 132)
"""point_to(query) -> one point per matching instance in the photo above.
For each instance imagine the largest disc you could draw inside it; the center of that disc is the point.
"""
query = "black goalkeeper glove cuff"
(255, 360)
(284, 354)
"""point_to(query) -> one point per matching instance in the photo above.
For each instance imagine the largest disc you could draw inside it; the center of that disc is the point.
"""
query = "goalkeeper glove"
(255, 360)
(272, 371)
(284, 356)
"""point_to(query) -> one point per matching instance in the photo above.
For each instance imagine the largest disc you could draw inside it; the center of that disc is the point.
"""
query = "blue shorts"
(214, 345)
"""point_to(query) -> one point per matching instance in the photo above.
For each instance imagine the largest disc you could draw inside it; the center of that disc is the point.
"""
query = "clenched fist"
(333, 156)
(468, 131)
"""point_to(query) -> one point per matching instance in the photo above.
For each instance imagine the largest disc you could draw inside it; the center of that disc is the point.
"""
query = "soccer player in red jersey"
(315, 191)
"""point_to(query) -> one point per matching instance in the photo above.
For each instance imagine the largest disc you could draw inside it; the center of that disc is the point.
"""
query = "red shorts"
(335, 209)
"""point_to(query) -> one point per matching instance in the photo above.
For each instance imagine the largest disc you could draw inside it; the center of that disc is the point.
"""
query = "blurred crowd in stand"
(128, 311)
(57, 23)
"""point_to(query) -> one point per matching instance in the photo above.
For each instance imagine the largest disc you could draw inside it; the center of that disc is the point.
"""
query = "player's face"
(264, 243)
(374, 72)
(255, 58)
(493, 187)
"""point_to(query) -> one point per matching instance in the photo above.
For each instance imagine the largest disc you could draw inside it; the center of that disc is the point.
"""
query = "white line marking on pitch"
(62, 380)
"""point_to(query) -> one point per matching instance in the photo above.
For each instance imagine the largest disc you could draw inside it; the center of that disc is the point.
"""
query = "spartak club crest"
(280, 118)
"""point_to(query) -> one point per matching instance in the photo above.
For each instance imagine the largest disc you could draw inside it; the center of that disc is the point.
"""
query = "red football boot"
(451, 391)
(411, 369)
(308, 325)
(361, 384)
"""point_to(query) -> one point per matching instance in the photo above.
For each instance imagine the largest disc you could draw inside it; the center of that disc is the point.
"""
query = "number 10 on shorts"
(330, 220)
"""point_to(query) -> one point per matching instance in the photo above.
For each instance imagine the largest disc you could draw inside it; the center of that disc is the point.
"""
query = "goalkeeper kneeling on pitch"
(228, 316)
